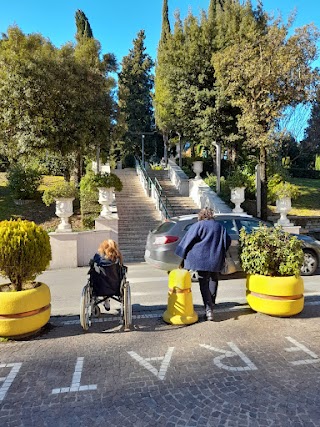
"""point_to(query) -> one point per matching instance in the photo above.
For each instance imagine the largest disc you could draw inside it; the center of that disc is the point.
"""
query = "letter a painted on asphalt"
(145, 362)
(250, 366)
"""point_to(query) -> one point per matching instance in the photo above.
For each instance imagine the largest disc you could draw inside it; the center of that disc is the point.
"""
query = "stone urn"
(283, 206)
(64, 210)
(237, 197)
(105, 200)
(197, 168)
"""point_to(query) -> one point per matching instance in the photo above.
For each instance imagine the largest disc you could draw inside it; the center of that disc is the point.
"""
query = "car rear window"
(229, 225)
(164, 227)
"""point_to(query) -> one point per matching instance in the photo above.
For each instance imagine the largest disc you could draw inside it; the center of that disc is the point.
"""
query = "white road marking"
(300, 347)
(8, 380)
(145, 362)
(250, 366)
(76, 379)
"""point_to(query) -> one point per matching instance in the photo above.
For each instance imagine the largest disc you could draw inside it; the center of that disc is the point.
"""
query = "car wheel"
(310, 263)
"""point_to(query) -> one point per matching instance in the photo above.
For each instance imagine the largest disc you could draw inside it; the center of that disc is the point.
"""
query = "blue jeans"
(208, 281)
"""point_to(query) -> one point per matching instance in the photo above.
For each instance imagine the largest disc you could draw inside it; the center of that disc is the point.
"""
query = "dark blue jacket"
(204, 246)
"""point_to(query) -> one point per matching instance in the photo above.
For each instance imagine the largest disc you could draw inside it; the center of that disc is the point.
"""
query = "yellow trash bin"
(180, 309)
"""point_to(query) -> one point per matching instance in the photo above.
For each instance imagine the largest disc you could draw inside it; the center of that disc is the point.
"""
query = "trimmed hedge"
(304, 173)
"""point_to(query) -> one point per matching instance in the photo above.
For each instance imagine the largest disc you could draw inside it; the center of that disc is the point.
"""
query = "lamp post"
(218, 165)
(142, 149)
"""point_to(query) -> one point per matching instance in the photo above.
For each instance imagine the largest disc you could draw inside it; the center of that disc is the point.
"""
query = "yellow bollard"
(180, 305)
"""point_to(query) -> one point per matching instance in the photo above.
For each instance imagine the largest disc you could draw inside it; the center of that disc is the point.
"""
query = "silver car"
(162, 241)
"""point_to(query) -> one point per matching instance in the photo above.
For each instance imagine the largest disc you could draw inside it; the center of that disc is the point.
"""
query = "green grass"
(36, 211)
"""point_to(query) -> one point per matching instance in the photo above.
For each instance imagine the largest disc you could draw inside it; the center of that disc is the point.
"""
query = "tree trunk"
(264, 183)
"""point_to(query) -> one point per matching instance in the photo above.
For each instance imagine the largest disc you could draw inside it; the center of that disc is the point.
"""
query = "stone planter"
(105, 199)
(197, 168)
(283, 207)
(24, 312)
(237, 197)
(276, 296)
(64, 209)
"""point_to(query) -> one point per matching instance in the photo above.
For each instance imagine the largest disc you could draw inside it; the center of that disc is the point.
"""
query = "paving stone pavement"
(243, 369)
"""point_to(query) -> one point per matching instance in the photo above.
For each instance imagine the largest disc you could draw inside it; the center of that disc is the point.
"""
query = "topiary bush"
(270, 251)
(61, 190)
(23, 182)
(25, 251)
(108, 180)
(89, 205)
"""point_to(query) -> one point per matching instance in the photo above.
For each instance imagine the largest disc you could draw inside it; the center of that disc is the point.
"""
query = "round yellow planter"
(276, 296)
(24, 312)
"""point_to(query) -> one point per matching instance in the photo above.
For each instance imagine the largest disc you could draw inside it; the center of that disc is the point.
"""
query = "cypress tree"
(135, 83)
(83, 26)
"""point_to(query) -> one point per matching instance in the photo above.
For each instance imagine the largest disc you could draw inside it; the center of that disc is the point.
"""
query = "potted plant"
(237, 181)
(25, 252)
(108, 180)
(106, 184)
(197, 166)
(272, 260)
(284, 192)
(63, 193)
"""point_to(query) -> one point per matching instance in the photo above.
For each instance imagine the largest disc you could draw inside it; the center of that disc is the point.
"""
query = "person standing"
(203, 249)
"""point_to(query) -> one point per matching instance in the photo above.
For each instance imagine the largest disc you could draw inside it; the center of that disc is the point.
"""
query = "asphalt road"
(244, 369)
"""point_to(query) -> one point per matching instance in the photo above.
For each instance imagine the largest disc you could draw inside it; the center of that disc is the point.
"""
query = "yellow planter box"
(276, 296)
(24, 312)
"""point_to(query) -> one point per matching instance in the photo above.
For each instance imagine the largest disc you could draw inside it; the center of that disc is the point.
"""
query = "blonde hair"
(206, 213)
(109, 249)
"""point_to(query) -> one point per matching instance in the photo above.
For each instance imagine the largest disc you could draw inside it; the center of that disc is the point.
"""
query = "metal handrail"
(157, 185)
(163, 205)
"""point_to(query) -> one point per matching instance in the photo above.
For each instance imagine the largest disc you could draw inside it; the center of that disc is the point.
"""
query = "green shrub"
(60, 190)
(108, 180)
(129, 161)
(89, 205)
(237, 178)
(25, 251)
(277, 189)
(23, 182)
(270, 251)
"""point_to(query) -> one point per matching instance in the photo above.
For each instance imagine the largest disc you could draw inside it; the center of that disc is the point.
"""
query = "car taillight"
(163, 240)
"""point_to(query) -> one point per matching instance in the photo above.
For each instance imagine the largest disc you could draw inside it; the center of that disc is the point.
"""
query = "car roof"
(217, 215)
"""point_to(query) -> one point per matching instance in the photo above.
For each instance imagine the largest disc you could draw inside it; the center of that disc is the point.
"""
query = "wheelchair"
(106, 282)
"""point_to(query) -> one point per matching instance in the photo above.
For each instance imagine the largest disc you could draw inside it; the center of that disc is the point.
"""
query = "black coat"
(105, 276)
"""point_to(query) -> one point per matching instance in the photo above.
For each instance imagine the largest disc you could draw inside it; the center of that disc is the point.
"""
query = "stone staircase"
(137, 215)
(178, 205)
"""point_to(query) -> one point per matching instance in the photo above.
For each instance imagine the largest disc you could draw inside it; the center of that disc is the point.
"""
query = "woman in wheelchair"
(107, 271)
(107, 280)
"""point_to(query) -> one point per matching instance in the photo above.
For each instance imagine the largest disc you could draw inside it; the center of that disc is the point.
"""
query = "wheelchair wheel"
(85, 307)
(127, 307)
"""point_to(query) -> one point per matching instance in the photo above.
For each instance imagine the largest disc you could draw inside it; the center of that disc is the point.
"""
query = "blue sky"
(115, 23)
